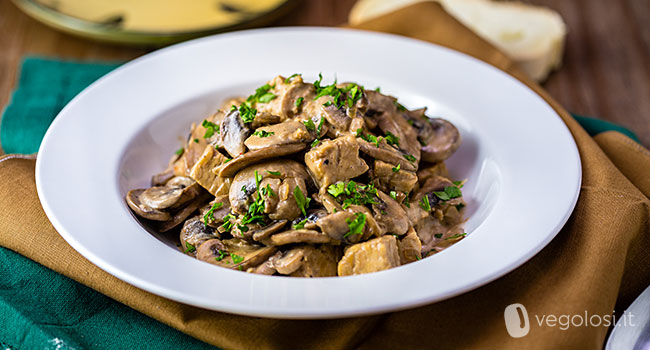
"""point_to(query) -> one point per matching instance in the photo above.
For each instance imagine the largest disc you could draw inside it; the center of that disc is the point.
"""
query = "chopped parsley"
(209, 215)
(424, 203)
(196, 140)
(407, 201)
(236, 258)
(356, 226)
(315, 143)
(397, 168)
(268, 191)
(288, 80)
(247, 113)
(370, 138)
(410, 158)
(309, 124)
(301, 200)
(261, 95)
(274, 173)
(459, 183)
(189, 248)
(378, 89)
(393, 195)
(320, 125)
(353, 193)
(299, 101)
(450, 192)
(179, 151)
(263, 133)
(456, 236)
(341, 96)
(227, 224)
(392, 139)
(210, 129)
(300, 225)
(227, 160)
(336, 189)
(438, 235)
(222, 255)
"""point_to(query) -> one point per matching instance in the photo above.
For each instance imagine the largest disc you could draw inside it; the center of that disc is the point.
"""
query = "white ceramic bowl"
(522, 166)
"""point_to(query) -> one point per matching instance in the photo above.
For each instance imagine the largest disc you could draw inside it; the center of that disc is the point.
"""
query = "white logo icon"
(516, 318)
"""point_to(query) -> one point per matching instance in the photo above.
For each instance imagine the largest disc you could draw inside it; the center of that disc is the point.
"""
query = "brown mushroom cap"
(133, 200)
(443, 141)
(249, 158)
(297, 236)
(287, 132)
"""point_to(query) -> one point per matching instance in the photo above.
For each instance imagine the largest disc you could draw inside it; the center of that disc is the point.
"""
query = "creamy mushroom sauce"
(310, 180)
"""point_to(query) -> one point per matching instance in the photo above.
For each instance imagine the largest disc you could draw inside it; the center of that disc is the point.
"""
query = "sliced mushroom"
(214, 217)
(290, 261)
(318, 261)
(169, 197)
(183, 213)
(203, 173)
(437, 169)
(211, 251)
(268, 230)
(410, 247)
(255, 258)
(267, 267)
(371, 256)
(133, 200)
(309, 222)
(287, 132)
(408, 137)
(335, 225)
(195, 232)
(336, 117)
(442, 142)
(335, 160)
(390, 178)
(229, 169)
(283, 176)
(387, 153)
(297, 236)
(389, 215)
(233, 133)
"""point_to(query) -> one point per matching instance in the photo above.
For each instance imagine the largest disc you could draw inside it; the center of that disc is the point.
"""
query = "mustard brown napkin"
(597, 264)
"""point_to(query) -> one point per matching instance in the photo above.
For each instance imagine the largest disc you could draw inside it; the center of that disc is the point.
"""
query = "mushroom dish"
(310, 180)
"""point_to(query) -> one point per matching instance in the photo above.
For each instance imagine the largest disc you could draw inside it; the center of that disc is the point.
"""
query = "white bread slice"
(532, 36)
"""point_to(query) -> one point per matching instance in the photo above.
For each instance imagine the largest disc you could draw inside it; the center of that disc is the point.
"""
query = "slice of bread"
(532, 36)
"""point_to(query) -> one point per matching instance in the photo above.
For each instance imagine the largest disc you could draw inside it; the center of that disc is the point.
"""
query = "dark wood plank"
(606, 71)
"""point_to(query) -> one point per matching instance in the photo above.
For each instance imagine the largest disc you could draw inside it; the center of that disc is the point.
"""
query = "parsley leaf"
(196, 140)
(458, 235)
(300, 225)
(309, 124)
(410, 158)
(222, 255)
(397, 168)
(301, 200)
(320, 125)
(247, 113)
(209, 215)
(267, 97)
(299, 101)
(424, 203)
(438, 235)
(393, 195)
(274, 173)
(227, 224)
(336, 189)
(210, 129)
(263, 133)
(236, 258)
(356, 226)
(288, 80)
(450, 192)
(189, 248)
(179, 151)
(315, 143)
(392, 139)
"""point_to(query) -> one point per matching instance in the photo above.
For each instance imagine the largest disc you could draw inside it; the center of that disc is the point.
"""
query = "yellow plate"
(151, 21)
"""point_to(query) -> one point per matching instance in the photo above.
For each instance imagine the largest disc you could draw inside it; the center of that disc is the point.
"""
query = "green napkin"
(42, 309)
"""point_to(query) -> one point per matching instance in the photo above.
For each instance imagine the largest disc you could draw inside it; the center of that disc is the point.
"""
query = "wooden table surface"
(606, 71)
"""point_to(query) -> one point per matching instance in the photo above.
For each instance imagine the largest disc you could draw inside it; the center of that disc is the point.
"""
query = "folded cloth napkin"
(597, 264)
